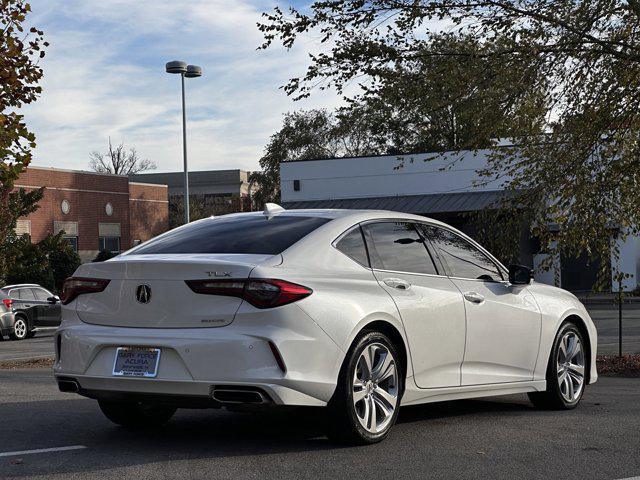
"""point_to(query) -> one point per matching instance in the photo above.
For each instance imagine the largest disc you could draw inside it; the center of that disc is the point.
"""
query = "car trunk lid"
(167, 301)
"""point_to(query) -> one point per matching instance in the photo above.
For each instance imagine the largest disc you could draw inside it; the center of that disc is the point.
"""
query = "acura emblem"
(143, 293)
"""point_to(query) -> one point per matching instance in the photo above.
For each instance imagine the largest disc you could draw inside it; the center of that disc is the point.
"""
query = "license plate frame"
(145, 370)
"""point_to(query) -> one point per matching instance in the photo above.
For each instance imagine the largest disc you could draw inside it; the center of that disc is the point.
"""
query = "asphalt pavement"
(494, 438)
(37, 347)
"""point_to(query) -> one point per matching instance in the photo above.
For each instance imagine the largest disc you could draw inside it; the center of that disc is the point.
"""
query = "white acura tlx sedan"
(356, 311)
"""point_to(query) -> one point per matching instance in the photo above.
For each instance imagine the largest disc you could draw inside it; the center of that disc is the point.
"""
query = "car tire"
(366, 402)
(566, 371)
(136, 414)
(20, 329)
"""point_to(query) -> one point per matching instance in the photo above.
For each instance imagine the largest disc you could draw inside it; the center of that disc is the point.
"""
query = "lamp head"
(176, 66)
(193, 71)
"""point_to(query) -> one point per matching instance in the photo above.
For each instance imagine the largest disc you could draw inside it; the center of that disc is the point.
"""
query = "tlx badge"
(219, 274)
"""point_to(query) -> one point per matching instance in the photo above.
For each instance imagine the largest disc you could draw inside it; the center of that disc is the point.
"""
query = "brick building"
(96, 211)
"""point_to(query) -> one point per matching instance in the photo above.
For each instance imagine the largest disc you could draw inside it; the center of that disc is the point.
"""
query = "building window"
(65, 206)
(108, 209)
(296, 185)
(73, 241)
(112, 244)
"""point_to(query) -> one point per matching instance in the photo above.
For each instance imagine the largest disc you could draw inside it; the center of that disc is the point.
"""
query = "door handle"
(27, 306)
(397, 283)
(474, 297)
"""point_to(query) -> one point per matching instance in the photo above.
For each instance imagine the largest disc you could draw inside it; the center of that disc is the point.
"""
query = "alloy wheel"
(571, 367)
(375, 387)
(20, 328)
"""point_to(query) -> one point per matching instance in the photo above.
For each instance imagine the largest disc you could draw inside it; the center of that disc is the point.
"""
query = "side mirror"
(520, 275)
(53, 300)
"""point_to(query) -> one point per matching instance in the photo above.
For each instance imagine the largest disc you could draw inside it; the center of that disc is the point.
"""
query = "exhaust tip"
(252, 396)
(68, 385)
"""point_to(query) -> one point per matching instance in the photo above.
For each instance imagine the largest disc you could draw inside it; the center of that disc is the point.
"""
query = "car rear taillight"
(259, 292)
(7, 303)
(74, 286)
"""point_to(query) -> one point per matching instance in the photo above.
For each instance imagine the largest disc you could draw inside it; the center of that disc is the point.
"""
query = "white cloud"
(104, 76)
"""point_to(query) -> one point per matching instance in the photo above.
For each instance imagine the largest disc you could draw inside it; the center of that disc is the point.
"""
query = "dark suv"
(35, 309)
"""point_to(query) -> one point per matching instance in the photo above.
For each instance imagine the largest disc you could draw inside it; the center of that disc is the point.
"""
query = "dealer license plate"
(136, 362)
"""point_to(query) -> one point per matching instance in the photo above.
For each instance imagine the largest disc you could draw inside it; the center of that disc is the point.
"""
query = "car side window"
(41, 294)
(399, 247)
(14, 294)
(26, 294)
(463, 258)
(352, 245)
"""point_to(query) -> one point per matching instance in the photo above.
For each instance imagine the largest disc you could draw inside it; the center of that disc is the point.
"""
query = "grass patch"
(45, 362)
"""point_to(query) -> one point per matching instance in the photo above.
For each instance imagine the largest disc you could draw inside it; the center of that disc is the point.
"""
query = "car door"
(503, 320)
(48, 313)
(429, 304)
(25, 301)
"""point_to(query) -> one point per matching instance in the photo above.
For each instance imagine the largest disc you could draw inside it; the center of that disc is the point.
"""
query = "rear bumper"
(195, 360)
(6, 323)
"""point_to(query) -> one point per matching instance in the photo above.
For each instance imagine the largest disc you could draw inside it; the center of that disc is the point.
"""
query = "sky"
(104, 77)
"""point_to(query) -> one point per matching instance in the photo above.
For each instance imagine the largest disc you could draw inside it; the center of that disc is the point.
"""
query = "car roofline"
(337, 213)
(20, 285)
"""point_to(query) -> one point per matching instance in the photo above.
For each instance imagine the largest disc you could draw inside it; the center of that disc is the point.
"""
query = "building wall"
(628, 263)
(87, 195)
(149, 210)
(207, 182)
(419, 174)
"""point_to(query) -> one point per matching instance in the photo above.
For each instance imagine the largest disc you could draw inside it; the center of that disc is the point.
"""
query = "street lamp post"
(185, 71)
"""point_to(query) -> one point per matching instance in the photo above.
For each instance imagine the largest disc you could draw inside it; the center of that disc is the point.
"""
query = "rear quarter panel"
(346, 296)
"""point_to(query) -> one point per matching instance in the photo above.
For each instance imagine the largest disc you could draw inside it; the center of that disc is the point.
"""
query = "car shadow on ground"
(191, 434)
(515, 404)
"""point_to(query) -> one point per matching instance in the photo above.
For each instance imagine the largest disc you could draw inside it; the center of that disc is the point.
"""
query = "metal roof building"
(446, 186)
(437, 203)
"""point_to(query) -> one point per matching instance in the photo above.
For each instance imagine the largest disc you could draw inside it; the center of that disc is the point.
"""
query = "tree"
(306, 135)
(20, 72)
(46, 263)
(203, 206)
(63, 259)
(28, 262)
(566, 76)
(119, 161)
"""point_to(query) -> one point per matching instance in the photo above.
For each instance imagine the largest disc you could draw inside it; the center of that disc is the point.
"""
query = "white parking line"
(41, 450)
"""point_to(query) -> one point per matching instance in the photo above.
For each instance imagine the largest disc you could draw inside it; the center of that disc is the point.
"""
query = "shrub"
(63, 260)
(104, 255)
(28, 263)
(46, 263)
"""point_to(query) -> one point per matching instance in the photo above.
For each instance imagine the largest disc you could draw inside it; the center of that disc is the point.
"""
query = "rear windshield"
(236, 234)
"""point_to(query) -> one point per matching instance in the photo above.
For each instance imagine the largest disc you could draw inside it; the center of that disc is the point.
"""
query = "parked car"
(6, 315)
(357, 311)
(35, 309)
